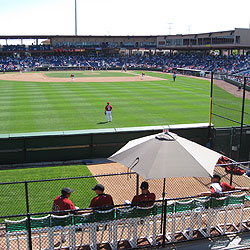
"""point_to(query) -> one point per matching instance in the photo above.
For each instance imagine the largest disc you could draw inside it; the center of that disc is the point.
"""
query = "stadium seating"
(221, 64)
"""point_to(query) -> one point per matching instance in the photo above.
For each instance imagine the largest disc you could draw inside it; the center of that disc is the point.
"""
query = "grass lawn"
(42, 194)
(88, 74)
(35, 107)
(227, 105)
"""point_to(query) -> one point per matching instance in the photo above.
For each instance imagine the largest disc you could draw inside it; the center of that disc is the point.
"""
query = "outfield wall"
(83, 144)
(101, 143)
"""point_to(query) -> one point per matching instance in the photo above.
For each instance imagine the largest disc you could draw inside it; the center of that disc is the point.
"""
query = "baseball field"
(34, 102)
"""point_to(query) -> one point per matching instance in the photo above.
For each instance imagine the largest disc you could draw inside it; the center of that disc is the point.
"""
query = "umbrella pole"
(164, 187)
(137, 184)
(163, 197)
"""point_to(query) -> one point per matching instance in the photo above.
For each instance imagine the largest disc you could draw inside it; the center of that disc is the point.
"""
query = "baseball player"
(174, 76)
(101, 200)
(217, 187)
(142, 75)
(145, 199)
(62, 202)
(108, 111)
(72, 77)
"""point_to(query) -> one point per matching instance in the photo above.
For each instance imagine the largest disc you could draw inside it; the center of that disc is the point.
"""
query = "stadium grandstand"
(226, 52)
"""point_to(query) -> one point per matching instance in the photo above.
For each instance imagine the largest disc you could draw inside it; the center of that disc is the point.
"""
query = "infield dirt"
(41, 77)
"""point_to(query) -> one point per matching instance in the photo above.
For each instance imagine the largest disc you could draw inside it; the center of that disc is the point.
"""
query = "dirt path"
(123, 187)
(231, 89)
(41, 77)
(224, 85)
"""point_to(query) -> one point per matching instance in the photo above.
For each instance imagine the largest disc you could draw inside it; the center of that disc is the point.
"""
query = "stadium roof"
(105, 36)
(63, 36)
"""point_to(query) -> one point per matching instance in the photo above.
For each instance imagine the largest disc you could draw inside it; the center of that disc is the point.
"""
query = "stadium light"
(169, 28)
(75, 19)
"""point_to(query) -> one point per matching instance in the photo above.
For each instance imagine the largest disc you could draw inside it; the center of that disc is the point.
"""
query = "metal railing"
(167, 221)
(28, 199)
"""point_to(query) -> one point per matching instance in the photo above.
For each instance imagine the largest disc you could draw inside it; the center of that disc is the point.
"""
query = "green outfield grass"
(35, 106)
(229, 106)
(42, 194)
(88, 74)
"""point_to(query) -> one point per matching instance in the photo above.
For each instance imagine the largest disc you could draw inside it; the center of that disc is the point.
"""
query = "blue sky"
(119, 17)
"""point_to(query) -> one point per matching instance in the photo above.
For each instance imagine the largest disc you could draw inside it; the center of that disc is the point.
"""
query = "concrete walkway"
(240, 241)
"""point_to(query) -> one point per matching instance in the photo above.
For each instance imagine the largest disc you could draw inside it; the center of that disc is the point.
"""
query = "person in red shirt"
(143, 200)
(101, 200)
(108, 111)
(62, 202)
(217, 187)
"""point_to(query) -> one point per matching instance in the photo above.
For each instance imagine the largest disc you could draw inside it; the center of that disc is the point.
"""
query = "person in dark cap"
(62, 202)
(145, 199)
(217, 187)
(102, 200)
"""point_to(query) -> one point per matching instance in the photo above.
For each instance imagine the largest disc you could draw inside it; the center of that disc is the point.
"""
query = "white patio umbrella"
(167, 155)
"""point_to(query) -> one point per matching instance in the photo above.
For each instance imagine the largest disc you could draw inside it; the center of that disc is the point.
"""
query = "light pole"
(75, 19)
(169, 28)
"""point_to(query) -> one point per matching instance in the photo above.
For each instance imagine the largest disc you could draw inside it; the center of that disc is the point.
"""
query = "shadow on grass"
(101, 123)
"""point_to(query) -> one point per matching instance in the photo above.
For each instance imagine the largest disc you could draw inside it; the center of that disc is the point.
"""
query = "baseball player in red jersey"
(108, 111)
(62, 202)
(217, 187)
(145, 199)
(101, 200)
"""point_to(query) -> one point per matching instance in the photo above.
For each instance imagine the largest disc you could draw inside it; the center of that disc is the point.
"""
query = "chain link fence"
(30, 203)
(166, 222)
(41, 193)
